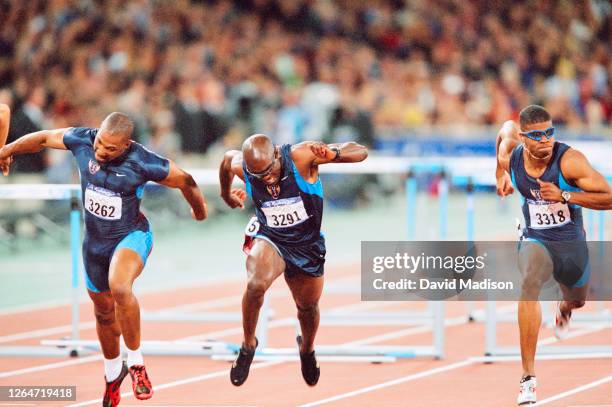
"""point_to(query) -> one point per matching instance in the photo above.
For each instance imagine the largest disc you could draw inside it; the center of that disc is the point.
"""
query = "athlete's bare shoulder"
(301, 153)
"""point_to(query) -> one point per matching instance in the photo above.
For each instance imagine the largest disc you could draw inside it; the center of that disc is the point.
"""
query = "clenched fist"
(550, 191)
(322, 150)
(236, 198)
(504, 185)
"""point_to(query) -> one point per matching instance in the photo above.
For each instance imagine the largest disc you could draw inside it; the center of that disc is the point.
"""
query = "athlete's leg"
(536, 266)
(306, 291)
(108, 331)
(106, 324)
(573, 297)
(126, 266)
(264, 265)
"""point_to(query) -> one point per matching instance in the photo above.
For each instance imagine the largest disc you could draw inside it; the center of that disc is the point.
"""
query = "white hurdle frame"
(397, 165)
(74, 346)
(602, 317)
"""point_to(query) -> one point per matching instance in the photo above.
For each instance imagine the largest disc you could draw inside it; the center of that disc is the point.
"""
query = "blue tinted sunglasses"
(537, 135)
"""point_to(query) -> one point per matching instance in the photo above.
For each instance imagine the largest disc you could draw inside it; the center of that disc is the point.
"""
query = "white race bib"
(102, 203)
(546, 215)
(284, 213)
(252, 227)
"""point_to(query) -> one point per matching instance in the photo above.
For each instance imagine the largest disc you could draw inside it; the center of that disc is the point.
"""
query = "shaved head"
(114, 137)
(118, 125)
(258, 152)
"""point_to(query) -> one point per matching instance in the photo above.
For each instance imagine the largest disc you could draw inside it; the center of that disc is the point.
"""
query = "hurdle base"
(43, 351)
(227, 351)
(548, 352)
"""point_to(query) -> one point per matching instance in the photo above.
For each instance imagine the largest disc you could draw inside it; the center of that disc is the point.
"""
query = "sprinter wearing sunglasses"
(555, 181)
(285, 235)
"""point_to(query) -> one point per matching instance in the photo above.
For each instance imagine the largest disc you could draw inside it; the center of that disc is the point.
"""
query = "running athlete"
(285, 236)
(555, 181)
(118, 239)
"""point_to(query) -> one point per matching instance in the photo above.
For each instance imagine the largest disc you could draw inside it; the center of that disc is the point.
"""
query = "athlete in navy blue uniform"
(555, 181)
(113, 171)
(285, 236)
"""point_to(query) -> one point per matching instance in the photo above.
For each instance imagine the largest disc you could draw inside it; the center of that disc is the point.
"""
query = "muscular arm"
(350, 152)
(231, 166)
(177, 178)
(597, 192)
(506, 142)
(35, 142)
(5, 119)
(308, 155)
(30, 143)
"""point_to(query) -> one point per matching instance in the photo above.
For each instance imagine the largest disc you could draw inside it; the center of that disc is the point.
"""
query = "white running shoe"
(561, 322)
(527, 391)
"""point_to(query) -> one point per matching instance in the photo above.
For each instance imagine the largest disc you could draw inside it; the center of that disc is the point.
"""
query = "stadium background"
(411, 80)
(408, 79)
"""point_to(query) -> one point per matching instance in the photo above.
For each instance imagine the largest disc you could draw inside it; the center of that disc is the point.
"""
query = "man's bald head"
(114, 137)
(118, 125)
(258, 152)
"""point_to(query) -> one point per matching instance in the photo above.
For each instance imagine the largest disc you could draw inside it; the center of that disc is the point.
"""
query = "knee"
(105, 317)
(531, 286)
(576, 304)
(256, 286)
(122, 293)
(308, 308)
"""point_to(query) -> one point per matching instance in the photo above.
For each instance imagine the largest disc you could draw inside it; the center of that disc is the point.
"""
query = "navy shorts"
(306, 259)
(570, 261)
(98, 253)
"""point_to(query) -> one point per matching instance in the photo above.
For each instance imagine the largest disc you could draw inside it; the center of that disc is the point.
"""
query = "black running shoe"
(242, 364)
(310, 366)
(112, 394)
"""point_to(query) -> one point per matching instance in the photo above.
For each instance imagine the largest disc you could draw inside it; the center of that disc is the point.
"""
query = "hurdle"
(61, 192)
(494, 353)
(74, 346)
(433, 317)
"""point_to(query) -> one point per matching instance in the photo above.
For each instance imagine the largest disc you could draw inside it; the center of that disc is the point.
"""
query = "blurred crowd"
(196, 74)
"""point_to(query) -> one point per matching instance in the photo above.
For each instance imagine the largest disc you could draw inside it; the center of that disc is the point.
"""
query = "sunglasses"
(266, 172)
(537, 135)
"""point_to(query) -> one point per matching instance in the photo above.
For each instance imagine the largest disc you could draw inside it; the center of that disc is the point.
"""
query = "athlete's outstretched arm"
(506, 142)
(231, 165)
(31, 143)
(576, 167)
(349, 152)
(177, 178)
(5, 119)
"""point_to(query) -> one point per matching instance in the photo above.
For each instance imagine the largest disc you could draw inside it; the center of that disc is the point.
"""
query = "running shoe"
(310, 366)
(112, 395)
(143, 390)
(527, 391)
(562, 321)
(242, 364)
